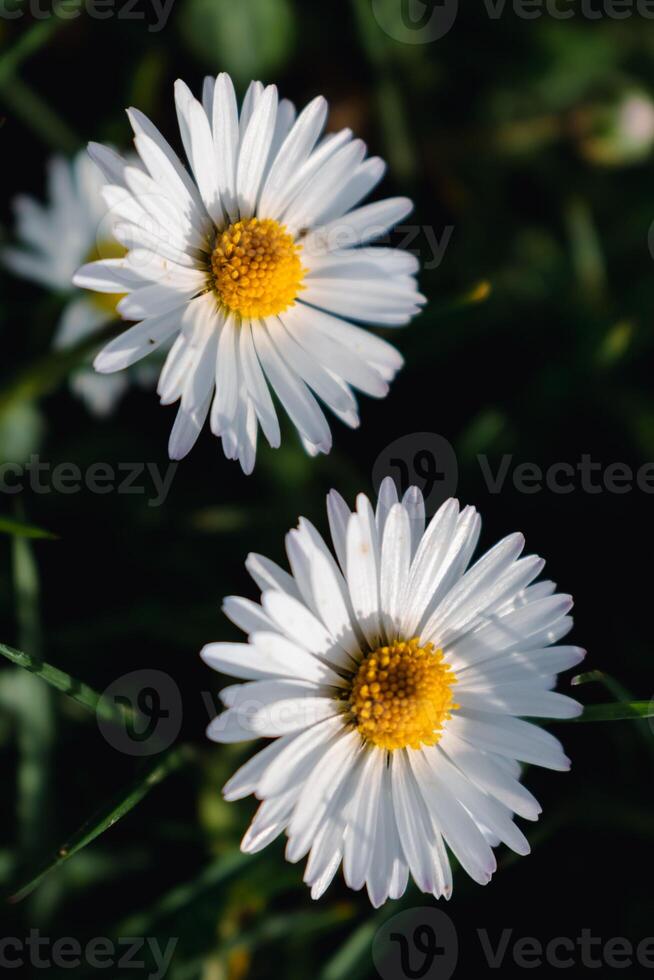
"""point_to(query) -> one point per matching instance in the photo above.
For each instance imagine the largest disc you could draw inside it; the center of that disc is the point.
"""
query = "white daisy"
(55, 238)
(392, 680)
(255, 265)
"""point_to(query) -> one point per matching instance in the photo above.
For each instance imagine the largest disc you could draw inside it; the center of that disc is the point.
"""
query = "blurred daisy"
(393, 679)
(55, 238)
(256, 265)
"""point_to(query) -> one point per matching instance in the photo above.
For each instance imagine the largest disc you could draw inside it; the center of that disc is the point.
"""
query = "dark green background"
(502, 129)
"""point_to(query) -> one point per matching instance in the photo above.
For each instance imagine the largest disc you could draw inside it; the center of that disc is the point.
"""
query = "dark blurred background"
(528, 142)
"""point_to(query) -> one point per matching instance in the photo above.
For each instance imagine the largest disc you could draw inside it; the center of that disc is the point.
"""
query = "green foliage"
(249, 39)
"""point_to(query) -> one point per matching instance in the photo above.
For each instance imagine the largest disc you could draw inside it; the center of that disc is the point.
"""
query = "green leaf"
(19, 529)
(618, 711)
(249, 39)
(107, 817)
(77, 690)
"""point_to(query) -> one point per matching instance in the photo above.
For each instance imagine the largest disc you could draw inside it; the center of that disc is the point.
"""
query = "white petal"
(363, 570)
(395, 564)
(388, 872)
(137, 342)
(427, 861)
(204, 161)
(483, 770)
(299, 757)
(226, 142)
(516, 699)
(431, 565)
(254, 150)
(245, 614)
(509, 737)
(338, 514)
(300, 625)
(386, 498)
(302, 408)
(361, 814)
(225, 402)
(268, 575)
(246, 779)
(321, 786)
(359, 226)
(294, 151)
(458, 828)
(257, 386)
(310, 328)
(309, 369)
(271, 708)
(186, 429)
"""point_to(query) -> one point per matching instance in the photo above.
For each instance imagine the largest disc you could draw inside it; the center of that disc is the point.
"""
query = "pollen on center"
(256, 268)
(402, 694)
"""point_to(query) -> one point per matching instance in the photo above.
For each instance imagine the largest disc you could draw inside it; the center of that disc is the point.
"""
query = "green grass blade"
(620, 693)
(119, 807)
(34, 39)
(73, 688)
(33, 708)
(19, 529)
(617, 711)
(613, 686)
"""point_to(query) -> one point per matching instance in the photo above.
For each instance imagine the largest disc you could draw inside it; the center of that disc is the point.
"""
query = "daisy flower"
(255, 261)
(392, 679)
(54, 240)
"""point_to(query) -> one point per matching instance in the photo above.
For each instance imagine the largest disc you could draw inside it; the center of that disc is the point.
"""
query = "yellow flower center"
(402, 694)
(108, 249)
(256, 268)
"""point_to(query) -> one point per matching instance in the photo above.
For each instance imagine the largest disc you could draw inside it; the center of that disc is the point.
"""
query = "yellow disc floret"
(402, 694)
(256, 268)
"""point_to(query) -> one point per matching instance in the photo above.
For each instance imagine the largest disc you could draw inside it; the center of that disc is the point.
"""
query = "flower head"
(55, 239)
(255, 262)
(392, 678)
